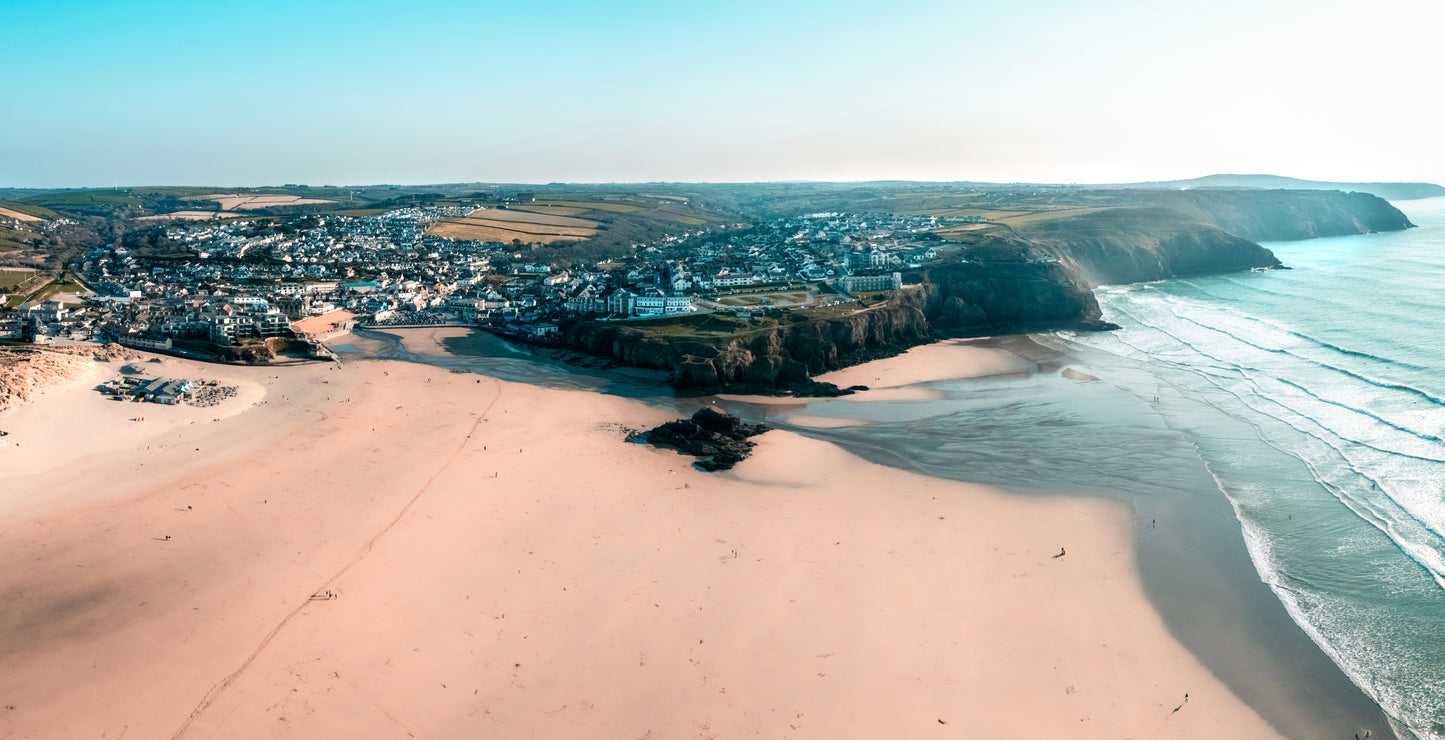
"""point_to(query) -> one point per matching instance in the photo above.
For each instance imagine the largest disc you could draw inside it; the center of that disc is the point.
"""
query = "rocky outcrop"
(718, 439)
(711, 353)
(1006, 297)
(708, 353)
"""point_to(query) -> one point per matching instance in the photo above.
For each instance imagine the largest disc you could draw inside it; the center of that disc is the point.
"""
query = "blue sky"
(104, 93)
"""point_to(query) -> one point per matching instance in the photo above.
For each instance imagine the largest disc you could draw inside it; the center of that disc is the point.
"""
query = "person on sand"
(1061, 553)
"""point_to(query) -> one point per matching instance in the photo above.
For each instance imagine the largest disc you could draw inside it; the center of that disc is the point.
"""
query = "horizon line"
(804, 181)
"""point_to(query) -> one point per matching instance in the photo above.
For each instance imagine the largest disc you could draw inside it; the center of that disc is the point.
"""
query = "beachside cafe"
(156, 390)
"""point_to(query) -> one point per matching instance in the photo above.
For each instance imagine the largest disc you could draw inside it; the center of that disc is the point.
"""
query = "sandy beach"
(957, 358)
(390, 550)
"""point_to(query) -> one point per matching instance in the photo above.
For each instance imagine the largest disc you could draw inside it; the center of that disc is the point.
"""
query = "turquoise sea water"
(1335, 370)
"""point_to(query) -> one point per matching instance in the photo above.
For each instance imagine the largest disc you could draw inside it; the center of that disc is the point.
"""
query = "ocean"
(1337, 366)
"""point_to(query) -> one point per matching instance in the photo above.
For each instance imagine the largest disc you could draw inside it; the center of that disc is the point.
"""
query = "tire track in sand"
(220, 687)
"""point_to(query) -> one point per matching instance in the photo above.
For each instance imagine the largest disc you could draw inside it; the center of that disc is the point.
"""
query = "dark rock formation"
(961, 299)
(718, 439)
(1005, 297)
(738, 354)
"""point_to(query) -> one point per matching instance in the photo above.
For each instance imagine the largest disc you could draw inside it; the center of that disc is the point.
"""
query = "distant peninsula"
(1386, 190)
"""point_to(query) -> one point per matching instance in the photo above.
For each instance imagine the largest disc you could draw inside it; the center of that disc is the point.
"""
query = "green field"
(12, 280)
(742, 300)
(19, 284)
(87, 199)
(595, 205)
(29, 209)
(722, 327)
(770, 298)
(57, 288)
(359, 212)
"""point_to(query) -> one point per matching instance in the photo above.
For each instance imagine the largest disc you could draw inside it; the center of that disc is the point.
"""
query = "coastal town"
(242, 289)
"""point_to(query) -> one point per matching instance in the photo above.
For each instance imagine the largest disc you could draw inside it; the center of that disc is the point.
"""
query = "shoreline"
(599, 577)
(1200, 576)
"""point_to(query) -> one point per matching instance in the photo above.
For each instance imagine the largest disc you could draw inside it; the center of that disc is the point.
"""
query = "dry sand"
(325, 323)
(939, 361)
(505, 565)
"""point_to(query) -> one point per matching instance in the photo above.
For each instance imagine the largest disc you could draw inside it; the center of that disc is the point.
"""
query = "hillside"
(574, 223)
(1136, 244)
(571, 222)
(1275, 215)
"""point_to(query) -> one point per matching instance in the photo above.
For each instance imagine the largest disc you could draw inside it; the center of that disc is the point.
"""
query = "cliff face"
(778, 354)
(961, 298)
(1280, 215)
(1130, 245)
(1006, 297)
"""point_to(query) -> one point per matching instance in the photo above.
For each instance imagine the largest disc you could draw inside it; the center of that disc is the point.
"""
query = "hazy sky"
(249, 93)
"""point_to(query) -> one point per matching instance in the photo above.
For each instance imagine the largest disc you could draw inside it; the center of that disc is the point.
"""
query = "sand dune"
(505, 565)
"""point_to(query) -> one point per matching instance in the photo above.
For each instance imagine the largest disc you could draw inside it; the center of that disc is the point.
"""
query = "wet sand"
(1191, 553)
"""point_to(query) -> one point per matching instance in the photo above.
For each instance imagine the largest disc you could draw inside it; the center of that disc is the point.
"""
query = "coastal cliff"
(1034, 274)
(1130, 245)
(712, 352)
(1279, 215)
(1010, 297)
